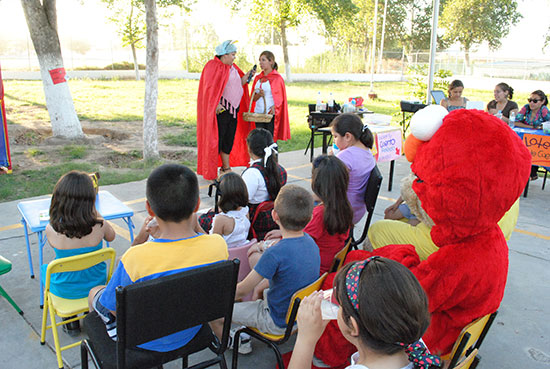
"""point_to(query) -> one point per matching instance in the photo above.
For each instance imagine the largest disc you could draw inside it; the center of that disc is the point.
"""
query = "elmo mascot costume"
(470, 168)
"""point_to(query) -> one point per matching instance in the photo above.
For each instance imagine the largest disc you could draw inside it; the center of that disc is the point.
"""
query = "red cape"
(214, 77)
(281, 129)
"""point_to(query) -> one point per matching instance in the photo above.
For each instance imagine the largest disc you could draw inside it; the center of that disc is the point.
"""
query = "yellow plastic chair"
(469, 339)
(68, 307)
(338, 261)
(467, 362)
(273, 340)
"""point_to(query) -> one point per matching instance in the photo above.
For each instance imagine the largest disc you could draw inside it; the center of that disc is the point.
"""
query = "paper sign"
(388, 145)
(58, 75)
(539, 147)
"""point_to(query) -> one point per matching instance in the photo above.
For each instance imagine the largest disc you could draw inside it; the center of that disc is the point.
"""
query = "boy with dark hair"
(172, 198)
(290, 265)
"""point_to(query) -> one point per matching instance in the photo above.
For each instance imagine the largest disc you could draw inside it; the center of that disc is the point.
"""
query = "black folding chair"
(371, 195)
(157, 308)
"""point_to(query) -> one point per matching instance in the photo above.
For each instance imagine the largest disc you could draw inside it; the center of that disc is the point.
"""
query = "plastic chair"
(241, 254)
(371, 195)
(467, 362)
(69, 307)
(470, 338)
(273, 340)
(438, 95)
(338, 261)
(159, 307)
(5, 267)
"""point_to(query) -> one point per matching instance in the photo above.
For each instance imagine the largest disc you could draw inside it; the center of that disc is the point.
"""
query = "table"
(319, 123)
(108, 206)
(538, 144)
(388, 144)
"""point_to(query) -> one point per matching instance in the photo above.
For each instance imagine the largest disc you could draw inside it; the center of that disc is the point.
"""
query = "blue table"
(108, 206)
(521, 132)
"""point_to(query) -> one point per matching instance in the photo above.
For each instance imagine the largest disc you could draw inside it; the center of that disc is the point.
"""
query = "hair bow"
(268, 151)
(420, 356)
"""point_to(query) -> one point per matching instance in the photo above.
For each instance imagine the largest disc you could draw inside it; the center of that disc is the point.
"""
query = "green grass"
(71, 152)
(30, 183)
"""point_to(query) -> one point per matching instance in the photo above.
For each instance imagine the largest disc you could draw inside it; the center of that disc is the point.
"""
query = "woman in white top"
(270, 85)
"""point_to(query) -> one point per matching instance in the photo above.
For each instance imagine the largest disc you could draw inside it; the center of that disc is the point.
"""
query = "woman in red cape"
(271, 85)
(213, 105)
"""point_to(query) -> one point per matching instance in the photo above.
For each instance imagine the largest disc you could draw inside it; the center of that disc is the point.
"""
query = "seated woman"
(532, 115)
(503, 102)
(455, 99)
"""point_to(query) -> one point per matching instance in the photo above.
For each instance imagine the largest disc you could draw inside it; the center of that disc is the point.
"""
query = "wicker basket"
(257, 117)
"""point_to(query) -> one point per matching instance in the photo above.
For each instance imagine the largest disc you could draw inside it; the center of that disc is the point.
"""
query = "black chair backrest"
(156, 308)
(311, 107)
(438, 95)
(373, 189)
(371, 195)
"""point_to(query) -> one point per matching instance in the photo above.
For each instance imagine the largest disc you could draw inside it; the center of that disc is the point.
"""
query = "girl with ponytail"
(263, 178)
(354, 141)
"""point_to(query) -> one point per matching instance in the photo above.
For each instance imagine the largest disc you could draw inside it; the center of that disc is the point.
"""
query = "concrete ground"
(519, 338)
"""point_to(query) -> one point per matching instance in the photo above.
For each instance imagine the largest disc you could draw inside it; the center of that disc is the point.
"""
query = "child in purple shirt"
(354, 140)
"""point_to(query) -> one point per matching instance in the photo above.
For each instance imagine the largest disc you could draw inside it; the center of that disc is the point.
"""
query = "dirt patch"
(109, 144)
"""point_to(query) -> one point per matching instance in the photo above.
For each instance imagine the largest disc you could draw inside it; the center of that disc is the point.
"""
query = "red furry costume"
(468, 175)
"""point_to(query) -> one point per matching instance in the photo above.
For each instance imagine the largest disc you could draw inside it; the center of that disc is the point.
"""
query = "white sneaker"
(245, 347)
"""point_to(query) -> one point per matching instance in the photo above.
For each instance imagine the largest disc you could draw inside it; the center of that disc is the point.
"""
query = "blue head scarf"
(226, 47)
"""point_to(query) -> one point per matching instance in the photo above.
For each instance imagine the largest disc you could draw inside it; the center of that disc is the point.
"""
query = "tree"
(130, 16)
(286, 14)
(471, 22)
(41, 19)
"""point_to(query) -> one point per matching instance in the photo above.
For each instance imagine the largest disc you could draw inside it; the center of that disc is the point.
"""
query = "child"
(288, 266)
(354, 140)
(233, 223)
(333, 217)
(172, 198)
(76, 228)
(264, 178)
(383, 313)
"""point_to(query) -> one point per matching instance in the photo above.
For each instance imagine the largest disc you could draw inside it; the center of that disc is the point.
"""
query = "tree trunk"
(42, 24)
(467, 59)
(285, 51)
(150, 139)
(133, 43)
(136, 65)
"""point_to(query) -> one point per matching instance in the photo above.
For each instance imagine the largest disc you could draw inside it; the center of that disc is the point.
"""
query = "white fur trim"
(425, 122)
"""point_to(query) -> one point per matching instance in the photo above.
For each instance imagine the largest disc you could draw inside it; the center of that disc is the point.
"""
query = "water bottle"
(318, 105)
(330, 103)
(499, 114)
(354, 104)
(335, 149)
(512, 119)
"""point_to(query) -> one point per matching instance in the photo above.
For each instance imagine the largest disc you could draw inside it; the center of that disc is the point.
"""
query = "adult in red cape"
(270, 85)
(469, 173)
(221, 100)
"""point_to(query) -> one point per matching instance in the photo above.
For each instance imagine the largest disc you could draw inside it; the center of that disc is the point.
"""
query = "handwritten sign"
(388, 145)
(539, 147)
(58, 75)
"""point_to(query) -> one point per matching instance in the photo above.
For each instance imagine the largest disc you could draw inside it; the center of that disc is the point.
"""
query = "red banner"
(539, 146)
